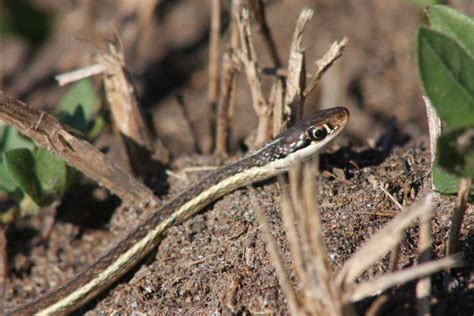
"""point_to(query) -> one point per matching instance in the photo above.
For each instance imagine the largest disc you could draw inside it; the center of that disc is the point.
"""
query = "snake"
(300, 142)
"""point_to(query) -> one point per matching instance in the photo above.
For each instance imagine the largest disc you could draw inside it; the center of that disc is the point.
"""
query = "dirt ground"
(217, 262)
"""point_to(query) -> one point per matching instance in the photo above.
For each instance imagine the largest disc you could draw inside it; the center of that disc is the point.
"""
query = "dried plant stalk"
(78, 74)
(300, 214)
(122, 97)
(322, 65)
(248, 58)
(225, 100)
(323, 293)
(423, 287)
(323, 276)
(458, 215)
(383, 241)
(47, 132)
(280, 110)
(374, 287)
(296, 79)
(213, 69)
(228, 81)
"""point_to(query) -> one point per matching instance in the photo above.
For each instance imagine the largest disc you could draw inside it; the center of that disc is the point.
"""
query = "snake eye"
(318, 133)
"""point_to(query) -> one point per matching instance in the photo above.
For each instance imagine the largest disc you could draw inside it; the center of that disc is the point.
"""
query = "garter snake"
(298, 143)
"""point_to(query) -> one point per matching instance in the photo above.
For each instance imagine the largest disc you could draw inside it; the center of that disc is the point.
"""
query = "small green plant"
(33, 177)
(445, 58)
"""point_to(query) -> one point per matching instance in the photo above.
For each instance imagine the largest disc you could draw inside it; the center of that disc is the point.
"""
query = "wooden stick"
(47, 132)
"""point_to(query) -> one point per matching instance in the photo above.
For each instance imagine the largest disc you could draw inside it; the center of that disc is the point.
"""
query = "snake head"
(309, 136)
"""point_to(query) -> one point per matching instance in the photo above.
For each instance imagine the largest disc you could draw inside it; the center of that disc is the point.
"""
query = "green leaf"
(7, 184)
(51, 173)
(76, 120)
(10, 138)
(455, 152)
(445, 182)
(447, 74)
(81, 94)
(454, 24)
(21, 167)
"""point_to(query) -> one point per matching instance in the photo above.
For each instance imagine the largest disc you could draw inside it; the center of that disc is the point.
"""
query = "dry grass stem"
(394, 258)
(387, 194)
(47, 132)
(213, 71)
(258, 9)
(296, 79)
(335, 51)
(300, 214)
(248, 58)
(127, 114)
(374, 308)
(122, 97)
(289, 221)
(277, 261)
(226, 99)
(225, 103)
(423, 286)
(322, 276)
(78, 74)
(374, 287)
(382, 242)
(458, 215)
(280, 110)
(323, 292)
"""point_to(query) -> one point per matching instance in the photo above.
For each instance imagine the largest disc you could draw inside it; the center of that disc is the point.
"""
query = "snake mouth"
(338, 121)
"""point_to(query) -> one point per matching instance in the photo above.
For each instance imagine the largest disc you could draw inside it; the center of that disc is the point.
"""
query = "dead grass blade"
(296, 79)
(78, 74)
(373, 287)
(383, 241)
(323, 64)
